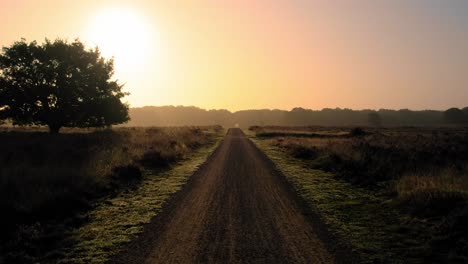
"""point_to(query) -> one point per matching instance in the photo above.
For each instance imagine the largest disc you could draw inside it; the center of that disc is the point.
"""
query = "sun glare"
(122, 34)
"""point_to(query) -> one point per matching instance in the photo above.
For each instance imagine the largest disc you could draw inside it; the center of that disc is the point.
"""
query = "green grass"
(364, 218)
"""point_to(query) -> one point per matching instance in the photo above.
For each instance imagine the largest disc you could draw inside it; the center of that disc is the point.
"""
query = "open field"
(299, 194)
(53, 185)
(398, 195)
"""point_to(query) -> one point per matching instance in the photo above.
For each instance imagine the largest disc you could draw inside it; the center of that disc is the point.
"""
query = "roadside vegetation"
(396, 194)
(54, 185)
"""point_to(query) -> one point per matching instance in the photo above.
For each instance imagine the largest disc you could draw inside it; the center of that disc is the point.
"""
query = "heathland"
(366, 194)
(67, 191)
(398, 195)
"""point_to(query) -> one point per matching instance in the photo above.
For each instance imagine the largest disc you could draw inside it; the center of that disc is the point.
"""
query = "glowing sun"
(122, 34)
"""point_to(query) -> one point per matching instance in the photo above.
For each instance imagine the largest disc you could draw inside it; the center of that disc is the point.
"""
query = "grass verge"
(364, 218)
(119, 219)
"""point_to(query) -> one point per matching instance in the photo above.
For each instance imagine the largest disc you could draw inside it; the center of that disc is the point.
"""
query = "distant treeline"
(182, 115)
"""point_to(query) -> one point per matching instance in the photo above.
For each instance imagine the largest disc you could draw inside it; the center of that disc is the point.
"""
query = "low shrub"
(357, 132)
(154, 159)
(381, 156)
(302, 152)
(126, 174)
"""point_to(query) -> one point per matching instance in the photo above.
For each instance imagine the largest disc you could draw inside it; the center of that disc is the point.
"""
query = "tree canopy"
(455, 116)
(59, 84)
(183, 116)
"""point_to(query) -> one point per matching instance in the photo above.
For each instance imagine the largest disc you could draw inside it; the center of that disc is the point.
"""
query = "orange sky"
(267, 54)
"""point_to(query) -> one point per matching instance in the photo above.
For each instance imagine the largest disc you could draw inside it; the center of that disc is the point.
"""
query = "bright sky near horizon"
(248, 54)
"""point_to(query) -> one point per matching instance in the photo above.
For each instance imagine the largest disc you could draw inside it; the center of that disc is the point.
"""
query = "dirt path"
(235, 209)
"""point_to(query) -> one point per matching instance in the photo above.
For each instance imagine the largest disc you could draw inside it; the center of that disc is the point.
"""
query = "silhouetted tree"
(465, 110)
(374, 119)
(455, 116)
(180, 115)
(59, 84)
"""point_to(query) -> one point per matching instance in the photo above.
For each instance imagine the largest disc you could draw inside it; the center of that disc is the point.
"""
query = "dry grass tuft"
(445, 181)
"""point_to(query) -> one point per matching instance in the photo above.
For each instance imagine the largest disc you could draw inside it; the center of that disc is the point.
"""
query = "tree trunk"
(54, 129)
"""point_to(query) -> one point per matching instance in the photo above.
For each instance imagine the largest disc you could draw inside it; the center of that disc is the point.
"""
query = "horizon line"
(288, 110)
